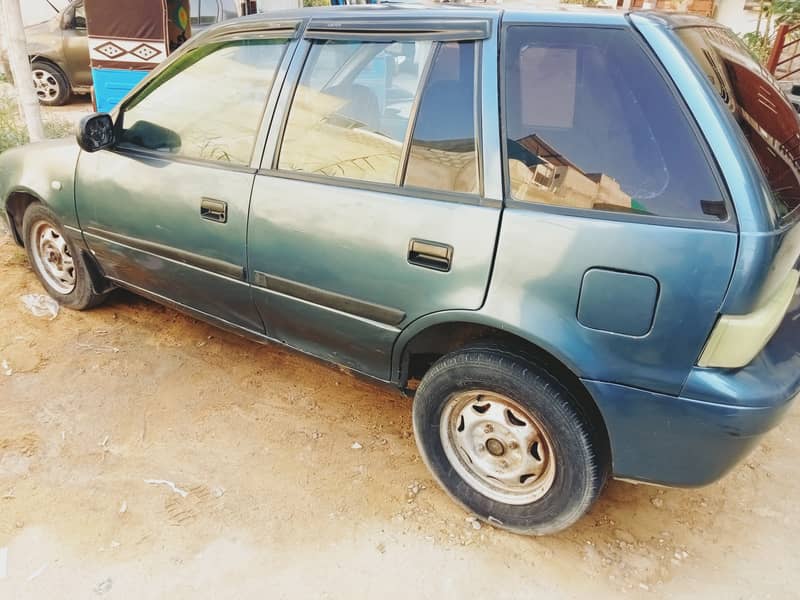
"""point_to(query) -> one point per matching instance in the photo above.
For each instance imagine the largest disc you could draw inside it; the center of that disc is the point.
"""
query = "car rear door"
(371, 208)
(165, 211)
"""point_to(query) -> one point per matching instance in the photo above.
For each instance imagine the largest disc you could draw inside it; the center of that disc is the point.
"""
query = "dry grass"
(12, 130)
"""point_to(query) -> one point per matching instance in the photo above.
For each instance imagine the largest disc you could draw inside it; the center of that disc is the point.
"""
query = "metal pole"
(777, 49)
(21, 69)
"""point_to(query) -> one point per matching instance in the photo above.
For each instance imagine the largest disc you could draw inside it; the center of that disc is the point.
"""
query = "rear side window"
(766, 117)
(592, 124)
(352, 108)
(353, 115)
(444, 148)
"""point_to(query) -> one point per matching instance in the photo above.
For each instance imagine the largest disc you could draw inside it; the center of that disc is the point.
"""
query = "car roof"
(567, 14)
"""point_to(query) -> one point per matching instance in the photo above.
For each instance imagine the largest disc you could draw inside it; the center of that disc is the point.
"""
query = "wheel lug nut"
(488, 429)
(513, 445)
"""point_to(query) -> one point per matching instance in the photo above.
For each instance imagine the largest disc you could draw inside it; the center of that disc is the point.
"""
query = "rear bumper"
(695, 438)
(678, 441)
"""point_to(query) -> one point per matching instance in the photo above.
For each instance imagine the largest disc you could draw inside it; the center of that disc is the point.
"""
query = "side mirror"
(68, 18)
(96, 132)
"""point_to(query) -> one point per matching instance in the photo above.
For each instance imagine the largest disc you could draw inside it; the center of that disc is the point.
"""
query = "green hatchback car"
(571, 236)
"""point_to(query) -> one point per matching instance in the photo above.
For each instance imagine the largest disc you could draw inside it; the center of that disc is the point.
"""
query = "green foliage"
(772, 13)
(758, 44)
(316, 2)
(58, 128)
(12, 130)
(786, 11)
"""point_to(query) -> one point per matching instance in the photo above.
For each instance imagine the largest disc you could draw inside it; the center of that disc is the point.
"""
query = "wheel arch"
(450, 330)
(17, 203)
(426, 340)
(42, 58)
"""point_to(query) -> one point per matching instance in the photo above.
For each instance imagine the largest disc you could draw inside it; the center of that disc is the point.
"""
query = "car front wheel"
(50, 84)
(61, 269)
(508, 441)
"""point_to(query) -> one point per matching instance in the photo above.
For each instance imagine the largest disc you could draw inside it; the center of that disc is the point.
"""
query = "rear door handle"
(214, 210)
(431, 255)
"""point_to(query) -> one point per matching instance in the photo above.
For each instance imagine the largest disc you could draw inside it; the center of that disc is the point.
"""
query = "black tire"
(579, 449)
(82, 295)
(52, 86)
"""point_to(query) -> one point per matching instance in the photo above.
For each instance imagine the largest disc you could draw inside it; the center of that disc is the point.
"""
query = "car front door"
(370, 210)
(165, 211)
(76, 45)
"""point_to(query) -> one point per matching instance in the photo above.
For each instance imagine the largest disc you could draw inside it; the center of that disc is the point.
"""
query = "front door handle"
(431, 255)
(214, 210)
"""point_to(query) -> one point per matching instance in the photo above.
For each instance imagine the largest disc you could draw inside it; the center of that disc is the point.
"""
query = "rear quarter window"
(592, 124)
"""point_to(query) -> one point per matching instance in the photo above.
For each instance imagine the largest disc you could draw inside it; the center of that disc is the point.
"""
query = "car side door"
(371, 209)
(165, 211)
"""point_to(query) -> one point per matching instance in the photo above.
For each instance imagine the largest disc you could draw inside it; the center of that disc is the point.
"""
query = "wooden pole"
(4, 47)
(21, 69)
(760, 12)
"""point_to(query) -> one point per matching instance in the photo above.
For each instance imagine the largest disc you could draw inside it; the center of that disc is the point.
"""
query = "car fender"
(44, 171)
(45, 41)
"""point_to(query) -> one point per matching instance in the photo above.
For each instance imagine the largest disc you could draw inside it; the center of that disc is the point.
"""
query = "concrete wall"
(265, 5)
(731, 13)
(36, 11)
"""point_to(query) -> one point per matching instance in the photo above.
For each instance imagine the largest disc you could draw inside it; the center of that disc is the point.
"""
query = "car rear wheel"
(61, 269)
(508, 441)
(52, 87)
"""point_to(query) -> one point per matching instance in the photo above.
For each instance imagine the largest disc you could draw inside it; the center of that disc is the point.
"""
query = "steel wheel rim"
(497, 446)
(45, 84)
(52, 257)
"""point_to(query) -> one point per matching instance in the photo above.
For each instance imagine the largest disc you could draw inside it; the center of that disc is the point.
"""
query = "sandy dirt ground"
(295, 479)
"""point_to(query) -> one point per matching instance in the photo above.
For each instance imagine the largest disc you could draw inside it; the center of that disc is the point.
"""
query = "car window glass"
(194, 12)
(443, 152)
(208, 104)
(208, 12)
(592, 124)
(351, 109)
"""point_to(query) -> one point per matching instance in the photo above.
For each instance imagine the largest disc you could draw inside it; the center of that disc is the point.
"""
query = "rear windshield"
(767, 118)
